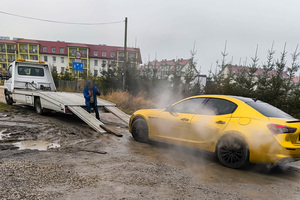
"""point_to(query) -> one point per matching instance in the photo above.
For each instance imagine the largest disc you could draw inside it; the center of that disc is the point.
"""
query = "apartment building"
(60, 55)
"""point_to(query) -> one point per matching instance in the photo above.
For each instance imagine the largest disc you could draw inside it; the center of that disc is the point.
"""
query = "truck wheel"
(140, 130)
(8, 99)
(38, 107)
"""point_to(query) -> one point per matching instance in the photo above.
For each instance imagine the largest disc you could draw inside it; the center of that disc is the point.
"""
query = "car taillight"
(277, 129)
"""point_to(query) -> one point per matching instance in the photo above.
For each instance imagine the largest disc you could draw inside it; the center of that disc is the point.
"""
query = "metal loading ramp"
(118, 113)
(87, 118)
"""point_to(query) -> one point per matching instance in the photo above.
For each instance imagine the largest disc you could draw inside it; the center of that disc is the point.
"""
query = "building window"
(73, 51)
(12, 58)
(25, 56)
(62, 60)
(45, 58)
(103, 63)
(24, 46)
(131, 55)
(10, 48)
(95, 53)
(54, 59)
(103, 53)
(2, 48)
(53, 49)
(62, 70)
(34, 58)
(54, 69)
(34, 49)
(44, 49)
(61, 50)
(83, 53)
(95, 72)
(95, 62)
(112, 54)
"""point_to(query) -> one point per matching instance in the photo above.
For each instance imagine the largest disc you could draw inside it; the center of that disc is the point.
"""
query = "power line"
(61, 22)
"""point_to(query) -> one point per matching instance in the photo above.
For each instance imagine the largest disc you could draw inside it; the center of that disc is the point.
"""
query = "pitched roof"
(235, 69)
(7, 41)
(21, 40)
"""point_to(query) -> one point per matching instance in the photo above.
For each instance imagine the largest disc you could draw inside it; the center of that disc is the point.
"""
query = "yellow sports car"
(238, 129)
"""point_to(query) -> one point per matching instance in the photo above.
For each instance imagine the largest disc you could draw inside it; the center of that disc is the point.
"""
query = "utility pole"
(125, 56)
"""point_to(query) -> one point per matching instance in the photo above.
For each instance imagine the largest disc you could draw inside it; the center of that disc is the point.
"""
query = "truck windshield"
(30, 71)
(268, 110)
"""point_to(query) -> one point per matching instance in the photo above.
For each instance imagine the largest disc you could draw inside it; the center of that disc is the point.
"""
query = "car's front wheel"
(8, 98)
(139, 130)
(232, 152)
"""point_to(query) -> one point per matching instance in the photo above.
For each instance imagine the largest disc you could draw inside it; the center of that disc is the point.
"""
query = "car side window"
(218, 107)
(188, 106)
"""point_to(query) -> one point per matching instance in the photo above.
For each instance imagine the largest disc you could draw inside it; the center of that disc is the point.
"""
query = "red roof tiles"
(239, 69)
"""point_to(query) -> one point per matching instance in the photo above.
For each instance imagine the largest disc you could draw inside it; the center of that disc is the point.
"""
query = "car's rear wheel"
(139, 130)
(232, 152)
(8, 98)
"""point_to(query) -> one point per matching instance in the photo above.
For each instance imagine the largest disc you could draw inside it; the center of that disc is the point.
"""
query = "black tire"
(232, 152)
(8, 99)
(38, 107)
(139, 130)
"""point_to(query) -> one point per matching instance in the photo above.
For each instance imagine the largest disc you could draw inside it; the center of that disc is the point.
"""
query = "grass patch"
(127, 102)
(4, 107)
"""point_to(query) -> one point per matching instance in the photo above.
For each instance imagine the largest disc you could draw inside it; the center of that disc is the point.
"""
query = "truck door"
(8, 81)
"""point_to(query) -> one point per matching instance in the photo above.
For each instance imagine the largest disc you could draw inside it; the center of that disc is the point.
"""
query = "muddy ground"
(82, 164)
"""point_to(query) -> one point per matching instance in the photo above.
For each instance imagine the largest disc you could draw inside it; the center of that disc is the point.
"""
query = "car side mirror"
(169, 109)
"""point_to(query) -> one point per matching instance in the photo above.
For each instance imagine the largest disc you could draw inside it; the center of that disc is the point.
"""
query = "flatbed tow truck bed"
(67, 102)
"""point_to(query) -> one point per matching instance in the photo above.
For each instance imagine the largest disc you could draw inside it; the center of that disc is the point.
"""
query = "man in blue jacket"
(90, 94)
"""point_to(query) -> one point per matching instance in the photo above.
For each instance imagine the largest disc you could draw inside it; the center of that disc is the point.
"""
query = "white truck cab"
(27, 75)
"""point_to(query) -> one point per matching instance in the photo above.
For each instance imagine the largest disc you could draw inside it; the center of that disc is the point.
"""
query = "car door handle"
(184, 119)
(220, 122)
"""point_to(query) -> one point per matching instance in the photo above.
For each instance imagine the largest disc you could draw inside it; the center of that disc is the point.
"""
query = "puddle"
(2, 115)
(4, 135)
(40, 145)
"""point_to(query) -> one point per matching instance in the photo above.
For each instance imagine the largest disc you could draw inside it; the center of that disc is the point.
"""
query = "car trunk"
(289, 129)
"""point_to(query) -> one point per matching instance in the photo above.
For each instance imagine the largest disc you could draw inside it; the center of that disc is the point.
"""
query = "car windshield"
(268, 110)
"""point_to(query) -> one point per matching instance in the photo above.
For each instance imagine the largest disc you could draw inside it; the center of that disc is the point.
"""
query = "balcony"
(2, 60)
(23, 51)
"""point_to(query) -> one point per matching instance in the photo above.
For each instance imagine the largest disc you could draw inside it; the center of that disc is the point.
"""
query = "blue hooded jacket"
(86, 95)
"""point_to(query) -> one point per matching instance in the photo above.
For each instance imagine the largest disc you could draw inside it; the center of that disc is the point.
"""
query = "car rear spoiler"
(294, 121)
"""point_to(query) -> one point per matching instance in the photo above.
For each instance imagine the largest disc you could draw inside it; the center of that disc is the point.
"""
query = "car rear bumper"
(276, 155)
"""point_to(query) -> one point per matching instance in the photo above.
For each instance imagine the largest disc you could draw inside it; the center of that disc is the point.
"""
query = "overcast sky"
(167, 27)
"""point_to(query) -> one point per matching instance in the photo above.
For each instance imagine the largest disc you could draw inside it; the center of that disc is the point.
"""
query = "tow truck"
(31, 83)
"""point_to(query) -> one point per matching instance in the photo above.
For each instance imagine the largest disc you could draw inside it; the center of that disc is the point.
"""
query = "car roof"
(228, 97)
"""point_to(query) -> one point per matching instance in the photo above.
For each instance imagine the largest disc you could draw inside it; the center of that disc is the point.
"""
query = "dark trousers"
(88, 108)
